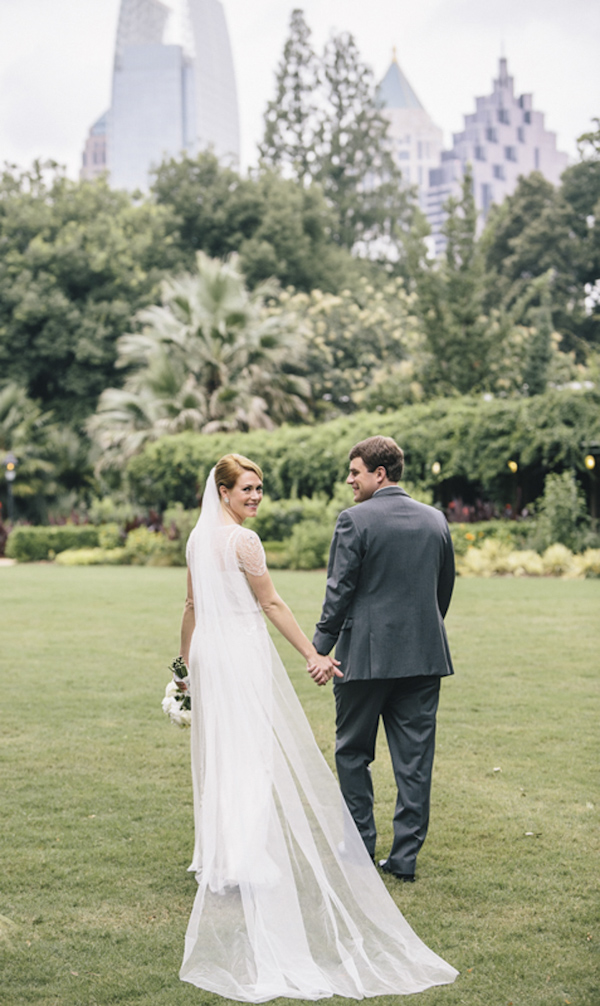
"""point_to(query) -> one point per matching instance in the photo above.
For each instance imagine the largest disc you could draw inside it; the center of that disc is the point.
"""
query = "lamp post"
(10, 474)
(514, 467)
(591, 462)
(436, 469)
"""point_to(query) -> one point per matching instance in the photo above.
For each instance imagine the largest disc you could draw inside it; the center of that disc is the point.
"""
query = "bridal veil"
(288, 901)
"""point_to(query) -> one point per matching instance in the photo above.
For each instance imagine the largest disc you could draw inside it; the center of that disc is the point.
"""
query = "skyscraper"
(503, 139)
(173, 87)
(93, 159)
(416, 142)
(217, 119)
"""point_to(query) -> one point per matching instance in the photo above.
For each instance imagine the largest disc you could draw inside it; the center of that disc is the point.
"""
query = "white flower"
(172, 706)
(183, 718)
(167, 704)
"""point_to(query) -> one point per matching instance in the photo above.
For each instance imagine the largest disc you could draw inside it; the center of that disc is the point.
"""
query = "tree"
(588, 144)
(460, 338)
(277, 227)
(77, 260)
(52, 461)
(561, 513)
(358, 342)
(353, 163)
(541, 228)
(291, 117)
(539, 354)
(509, 264)
(325, 126)
(209, 358)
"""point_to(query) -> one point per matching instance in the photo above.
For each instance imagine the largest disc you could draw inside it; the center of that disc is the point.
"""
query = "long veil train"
(288, 900)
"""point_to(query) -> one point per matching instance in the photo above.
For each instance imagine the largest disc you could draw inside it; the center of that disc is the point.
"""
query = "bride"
(289, 902)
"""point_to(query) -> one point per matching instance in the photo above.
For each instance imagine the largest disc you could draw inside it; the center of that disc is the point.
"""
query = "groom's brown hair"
(380, 452)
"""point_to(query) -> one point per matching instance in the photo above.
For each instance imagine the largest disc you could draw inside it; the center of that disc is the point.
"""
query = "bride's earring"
(226, 499)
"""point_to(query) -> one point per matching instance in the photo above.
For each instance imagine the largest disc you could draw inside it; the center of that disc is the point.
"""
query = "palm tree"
(27, 432)
(46, 455)
(208, 358)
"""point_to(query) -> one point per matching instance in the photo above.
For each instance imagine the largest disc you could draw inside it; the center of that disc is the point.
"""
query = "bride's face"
(244, 498)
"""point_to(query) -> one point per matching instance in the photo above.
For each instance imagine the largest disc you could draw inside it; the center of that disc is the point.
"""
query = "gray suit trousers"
(408, 707)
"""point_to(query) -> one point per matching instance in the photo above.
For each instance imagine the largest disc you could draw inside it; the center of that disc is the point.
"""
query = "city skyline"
(448, 49)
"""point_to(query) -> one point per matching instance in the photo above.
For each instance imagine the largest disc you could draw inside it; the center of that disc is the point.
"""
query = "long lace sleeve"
(250, 553)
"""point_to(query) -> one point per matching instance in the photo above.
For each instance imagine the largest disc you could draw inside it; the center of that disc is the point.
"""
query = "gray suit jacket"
(389, 584)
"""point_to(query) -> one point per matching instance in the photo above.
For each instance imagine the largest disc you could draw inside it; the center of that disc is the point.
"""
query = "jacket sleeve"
(342, 576)
(447, 573)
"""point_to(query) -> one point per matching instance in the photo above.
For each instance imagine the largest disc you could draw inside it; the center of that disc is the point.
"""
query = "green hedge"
(33, 544)
(471, 439)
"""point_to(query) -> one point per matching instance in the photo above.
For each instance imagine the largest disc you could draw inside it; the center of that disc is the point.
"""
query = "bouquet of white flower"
(177, 703)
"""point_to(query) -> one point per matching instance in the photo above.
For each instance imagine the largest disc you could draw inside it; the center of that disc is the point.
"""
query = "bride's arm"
(321, 668)
(188, 622)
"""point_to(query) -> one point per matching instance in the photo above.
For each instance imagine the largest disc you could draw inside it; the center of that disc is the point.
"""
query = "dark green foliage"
(539, 228)
(561, 514)
(77, 260)
(277, 518)
(305, 525)
(510, 259)
(472, 439)
(460, 338)
(183, 471)
(53, 467)
(173, 469)
(34, 544)
(535, 374)
(277, 227)
(294, 241)
(308, 547)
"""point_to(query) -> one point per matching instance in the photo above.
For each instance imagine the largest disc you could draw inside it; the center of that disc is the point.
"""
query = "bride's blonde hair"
(229, 468)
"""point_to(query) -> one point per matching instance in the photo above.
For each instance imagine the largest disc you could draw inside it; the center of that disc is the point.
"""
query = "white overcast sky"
(56, 60)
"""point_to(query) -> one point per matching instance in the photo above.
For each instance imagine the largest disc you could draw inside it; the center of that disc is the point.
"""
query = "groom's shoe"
(407, 878)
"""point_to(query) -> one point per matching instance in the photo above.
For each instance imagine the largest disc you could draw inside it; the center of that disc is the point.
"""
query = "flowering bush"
(558, 560)
(511, 534)
(144, 547)
(525, 563)
(91, 557)
(495, 559)
(588, 563)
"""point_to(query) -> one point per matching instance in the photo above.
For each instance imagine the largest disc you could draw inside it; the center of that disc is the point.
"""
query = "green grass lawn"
(96, 831)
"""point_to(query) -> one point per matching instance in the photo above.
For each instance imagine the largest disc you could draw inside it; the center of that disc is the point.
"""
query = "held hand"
(179, 670)
(321, 668)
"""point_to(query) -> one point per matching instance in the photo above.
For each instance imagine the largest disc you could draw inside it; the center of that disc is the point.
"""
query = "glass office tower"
(173, 87)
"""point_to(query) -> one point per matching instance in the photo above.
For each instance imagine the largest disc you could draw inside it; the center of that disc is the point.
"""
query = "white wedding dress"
(288, 901)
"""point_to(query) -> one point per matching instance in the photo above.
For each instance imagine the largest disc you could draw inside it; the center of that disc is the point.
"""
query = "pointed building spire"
(394, 90)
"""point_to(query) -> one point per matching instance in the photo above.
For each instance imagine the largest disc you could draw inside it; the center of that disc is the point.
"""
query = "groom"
(389, 583)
